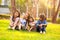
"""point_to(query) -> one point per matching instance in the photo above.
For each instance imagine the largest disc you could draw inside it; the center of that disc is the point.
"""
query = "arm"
(38, 23)
(44, 24)
(11, 22)
(26, 28)
(16, 22)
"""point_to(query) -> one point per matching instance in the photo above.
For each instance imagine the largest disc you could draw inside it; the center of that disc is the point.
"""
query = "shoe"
(44, 32)
(9, 27)
(13, 28)
(41, 32)
(29, 30)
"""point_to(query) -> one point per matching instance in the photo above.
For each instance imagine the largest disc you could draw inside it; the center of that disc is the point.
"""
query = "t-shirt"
(41, 22)
(23, 21)
(17, 20)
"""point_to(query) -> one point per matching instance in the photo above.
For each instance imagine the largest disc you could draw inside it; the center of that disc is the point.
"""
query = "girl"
(27, 16)
(15, 20)
(23, 22)
(41, 24)
(31, 23)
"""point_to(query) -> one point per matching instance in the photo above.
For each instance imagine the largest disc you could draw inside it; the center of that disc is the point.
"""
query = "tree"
(20, 5)
(54, 16)
(26, 6)
(0, 2)
(13, 6)
(35, 7)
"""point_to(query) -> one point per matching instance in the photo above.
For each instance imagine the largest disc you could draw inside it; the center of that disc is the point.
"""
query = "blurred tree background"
(50, 8)
(20, 5)
(0, 1)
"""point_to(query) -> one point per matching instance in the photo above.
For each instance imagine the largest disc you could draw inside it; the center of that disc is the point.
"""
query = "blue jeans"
(41, 29)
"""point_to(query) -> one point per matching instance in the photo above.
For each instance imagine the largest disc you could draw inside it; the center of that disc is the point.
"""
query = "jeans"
(41, 29)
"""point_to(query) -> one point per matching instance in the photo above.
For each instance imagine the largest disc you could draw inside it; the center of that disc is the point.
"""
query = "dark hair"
(30, 21)
(43, 17)
(31, 18)
(14, 13)
(28, 17)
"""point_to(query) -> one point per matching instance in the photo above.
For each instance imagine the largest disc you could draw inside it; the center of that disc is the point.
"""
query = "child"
(41, 24)
(23, 22)
(15, 20)
(27, 16)
(31, 23)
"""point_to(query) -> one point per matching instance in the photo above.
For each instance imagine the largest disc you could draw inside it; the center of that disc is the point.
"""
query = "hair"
(43, 17)
(31, 18)
(30, 21)
(14, 13)
(28, 16)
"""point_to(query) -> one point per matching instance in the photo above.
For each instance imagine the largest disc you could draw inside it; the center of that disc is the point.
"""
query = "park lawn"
(52, 33)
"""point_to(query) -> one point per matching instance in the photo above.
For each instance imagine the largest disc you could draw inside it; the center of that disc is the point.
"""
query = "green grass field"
(53, 33)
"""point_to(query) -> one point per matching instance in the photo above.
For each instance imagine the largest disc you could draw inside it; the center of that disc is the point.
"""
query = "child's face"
(27, 15)
(40, 18)
(16, 14)
(30, 19)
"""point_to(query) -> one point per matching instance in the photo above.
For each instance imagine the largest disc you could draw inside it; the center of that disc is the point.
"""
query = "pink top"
(17, 20)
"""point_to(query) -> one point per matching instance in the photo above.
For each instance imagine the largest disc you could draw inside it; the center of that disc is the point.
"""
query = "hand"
(40, 25)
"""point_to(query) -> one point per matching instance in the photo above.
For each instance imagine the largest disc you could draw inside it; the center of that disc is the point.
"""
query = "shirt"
(41, 22)
(23, 21)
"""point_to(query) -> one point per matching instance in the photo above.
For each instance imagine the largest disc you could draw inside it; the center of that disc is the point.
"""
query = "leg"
(23, 26)
(11, 25)
(30, 29)
(38, 29)
(19, 26)
(43, 29)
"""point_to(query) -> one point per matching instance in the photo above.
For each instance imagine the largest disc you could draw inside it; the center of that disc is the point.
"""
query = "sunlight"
(47, 3)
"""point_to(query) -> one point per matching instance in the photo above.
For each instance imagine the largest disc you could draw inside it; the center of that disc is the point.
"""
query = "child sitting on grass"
(41, 24)
(31, 23)
(15, 20)
(23, 22)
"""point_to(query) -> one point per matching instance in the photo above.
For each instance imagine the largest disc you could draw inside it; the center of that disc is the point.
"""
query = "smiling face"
(16, 14)
(27, 14)
(31, 19)
(40, 18)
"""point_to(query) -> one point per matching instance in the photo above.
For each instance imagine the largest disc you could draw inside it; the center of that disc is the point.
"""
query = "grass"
(53, 33)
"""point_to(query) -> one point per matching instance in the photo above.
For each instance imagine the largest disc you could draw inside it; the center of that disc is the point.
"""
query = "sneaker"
(29, 30)
(41, 32)
(44, 32)
(9, 27)
(13, 28)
